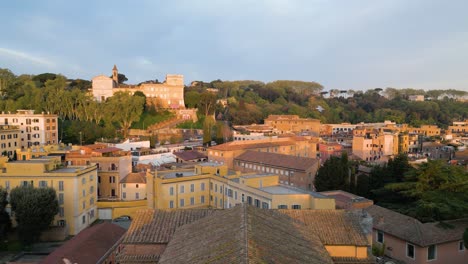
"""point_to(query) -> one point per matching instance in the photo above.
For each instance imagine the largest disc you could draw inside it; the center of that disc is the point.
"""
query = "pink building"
(327, 150)
(413, 242)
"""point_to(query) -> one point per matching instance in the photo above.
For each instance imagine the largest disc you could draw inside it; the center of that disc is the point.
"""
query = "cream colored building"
(9, 139)
(36, 129)
(133, 187)
(210, 185)
(293, 124)
(76, 188)
(169, 94)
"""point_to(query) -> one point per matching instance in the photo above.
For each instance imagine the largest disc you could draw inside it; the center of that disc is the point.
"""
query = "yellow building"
(210, 185)
(9, 139)
(293, 124)
(76, 188)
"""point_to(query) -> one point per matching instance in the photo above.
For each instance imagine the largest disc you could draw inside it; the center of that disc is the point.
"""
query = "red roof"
(89, 245)
(107, 150)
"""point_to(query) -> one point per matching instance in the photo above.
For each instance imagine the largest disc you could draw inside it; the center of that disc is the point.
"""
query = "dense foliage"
(252, 101)
(5, 222)
(34, 210)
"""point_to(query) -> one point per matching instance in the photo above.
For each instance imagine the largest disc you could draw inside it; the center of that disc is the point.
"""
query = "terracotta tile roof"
(190, 155)
(278, 160)
(157, 226)
(245, 234)
(349, 260)
(95, 146)
(411, 230)
(134, 177)
(239, 145)
(333, 227)
(89, 245)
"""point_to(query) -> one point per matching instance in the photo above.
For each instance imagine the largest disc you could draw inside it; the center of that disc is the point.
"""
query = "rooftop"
(134, 177)
(176, 174)
(411, 230)
(278, 160)
(253, 176)
(286, 189)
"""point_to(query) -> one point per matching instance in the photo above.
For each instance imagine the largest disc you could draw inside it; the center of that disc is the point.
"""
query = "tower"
(115, 74)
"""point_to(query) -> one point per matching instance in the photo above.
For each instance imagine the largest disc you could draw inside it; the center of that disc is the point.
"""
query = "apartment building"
(290, 145)
(375, 144)
(168, 94)
(113, 165)
(76, 187)
(210, 185)
(133, 187)
(293, 124)
(459, 127)
(36, 129)
(9, 140)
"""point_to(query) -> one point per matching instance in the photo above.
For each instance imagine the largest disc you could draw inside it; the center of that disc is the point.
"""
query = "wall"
(120, 208)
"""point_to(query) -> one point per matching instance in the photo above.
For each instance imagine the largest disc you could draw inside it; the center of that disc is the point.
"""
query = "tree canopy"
(34, 209)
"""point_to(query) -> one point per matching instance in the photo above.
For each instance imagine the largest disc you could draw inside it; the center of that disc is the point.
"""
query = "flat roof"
(70, 169)
(286, 189)
(177, 174)
(210, 164)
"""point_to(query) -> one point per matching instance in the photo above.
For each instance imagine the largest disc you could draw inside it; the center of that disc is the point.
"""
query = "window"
(249, 200)
(192, 187)
(235, 195)
(461, 246)
(171, 191)
(243, 198)
(182, 202)
(137, 196)
(42, 184)
(61, 186)
(220, 189)
(257, 203)
(124, 185)
(124, 195)
(84, 204)
(202, 199)
(202, 186)
(83, 219)
(296, 206)
(91, 201)
(410, 250)
(380, 236)
(61, 212)
(211, 186)
(99, 179)
(431, 252)
(136, 186)
(216, 187)
(282, 206)
(60, 198)
(7, 185)
(84, 193)
(182, 189)
(171, 204)
(83, 180)
(265, 205)
(192, 200)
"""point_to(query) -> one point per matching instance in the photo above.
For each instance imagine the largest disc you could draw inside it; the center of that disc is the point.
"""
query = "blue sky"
(359, 44)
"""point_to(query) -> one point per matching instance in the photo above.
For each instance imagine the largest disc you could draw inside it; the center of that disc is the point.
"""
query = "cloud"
(20, 55)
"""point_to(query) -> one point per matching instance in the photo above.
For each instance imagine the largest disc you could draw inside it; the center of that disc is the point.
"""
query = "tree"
(34, 209)
(208, 125)
(207, 103)
(192, 99)
(5, 221)
(124, 109)
(333, 175)
(121, 78)
(437, 191)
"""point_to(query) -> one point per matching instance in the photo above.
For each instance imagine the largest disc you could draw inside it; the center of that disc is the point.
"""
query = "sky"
(359, 44)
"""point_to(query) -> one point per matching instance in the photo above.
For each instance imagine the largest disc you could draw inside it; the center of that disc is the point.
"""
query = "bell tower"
(115, 74)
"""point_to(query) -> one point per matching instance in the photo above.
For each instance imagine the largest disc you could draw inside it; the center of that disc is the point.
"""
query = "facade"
(327, 150)
(113, 165)
(424, 130)
(293, 124)
(290, 145)
(133, 187)
(169, 94)
(210, 185)
(269, 236)
(76, 187)
(375, 144)
(36, 129)
(294, 171)
(413, 242)
(9, 140)
(459, 127)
